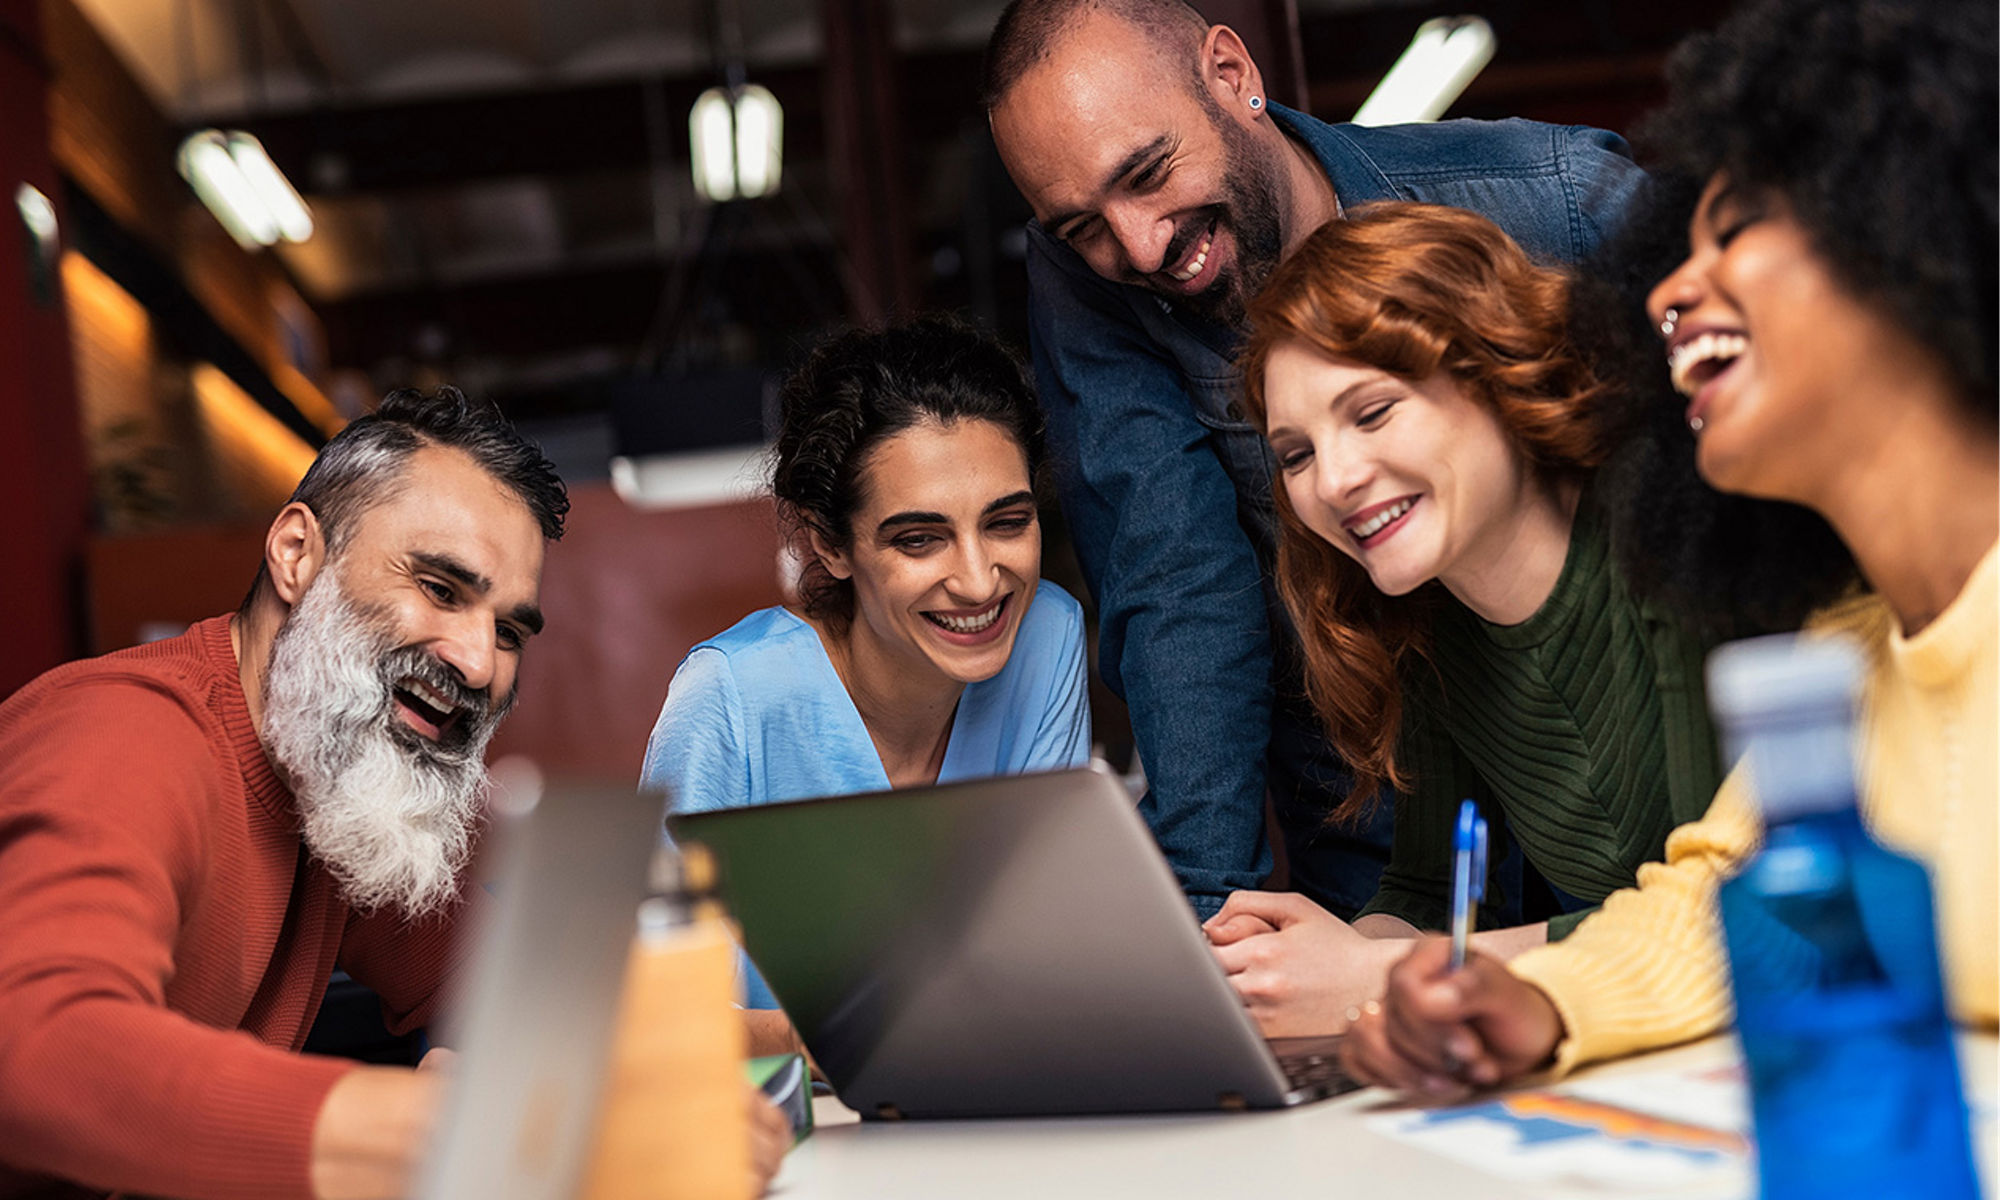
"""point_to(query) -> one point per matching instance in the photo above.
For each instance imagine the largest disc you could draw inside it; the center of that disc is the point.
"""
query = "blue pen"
(1468, 877)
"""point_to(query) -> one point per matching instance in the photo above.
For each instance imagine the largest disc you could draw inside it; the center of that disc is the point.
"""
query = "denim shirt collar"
(1356, 178)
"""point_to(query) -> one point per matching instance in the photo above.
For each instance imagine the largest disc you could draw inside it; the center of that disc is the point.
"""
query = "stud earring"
(1671, 322)
(1695, 424)
(1256, 104)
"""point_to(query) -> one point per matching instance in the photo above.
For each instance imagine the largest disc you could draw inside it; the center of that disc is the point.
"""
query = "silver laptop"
(534, 1012)
(1013, 946)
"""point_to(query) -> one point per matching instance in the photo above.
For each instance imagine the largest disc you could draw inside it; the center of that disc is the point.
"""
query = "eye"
(1374, 414)
(509, 637)
(1081, 231)
(1010, 523)
(439, 592)
(1292, 461)
(915, 542)
(1730, 215)
(1153, 174)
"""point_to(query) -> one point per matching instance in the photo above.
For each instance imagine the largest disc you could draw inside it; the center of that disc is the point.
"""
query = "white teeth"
(972, 624)
(1194, 267)
(1374, 524)
(425, 693)
(1708, 347)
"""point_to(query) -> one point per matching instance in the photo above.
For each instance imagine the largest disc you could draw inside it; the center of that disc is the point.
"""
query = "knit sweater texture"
(1586, 726)
(167, 940)
(1650, 968)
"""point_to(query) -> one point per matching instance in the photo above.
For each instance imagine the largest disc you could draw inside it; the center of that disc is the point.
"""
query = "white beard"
(389, 813)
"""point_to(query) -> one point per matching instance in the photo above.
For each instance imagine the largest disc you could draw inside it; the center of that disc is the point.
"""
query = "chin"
(991, 661)
(1398, 582)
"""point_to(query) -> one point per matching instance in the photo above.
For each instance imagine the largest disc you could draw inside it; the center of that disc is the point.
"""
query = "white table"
(1326, 1148)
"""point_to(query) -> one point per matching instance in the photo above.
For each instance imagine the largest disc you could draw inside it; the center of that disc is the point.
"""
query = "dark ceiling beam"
(554, 131)
(865, 146)
(547, 313)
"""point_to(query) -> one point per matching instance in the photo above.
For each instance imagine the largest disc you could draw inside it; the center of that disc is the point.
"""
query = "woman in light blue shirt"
(924, 647)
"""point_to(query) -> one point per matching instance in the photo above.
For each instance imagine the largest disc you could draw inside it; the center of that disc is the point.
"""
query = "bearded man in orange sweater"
(195, 833)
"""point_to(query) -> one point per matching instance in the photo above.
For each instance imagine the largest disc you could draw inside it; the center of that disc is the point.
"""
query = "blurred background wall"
(501, 198)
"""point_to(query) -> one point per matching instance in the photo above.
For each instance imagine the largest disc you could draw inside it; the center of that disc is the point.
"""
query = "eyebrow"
(900, 519)
(528, 616)
(1346, 394)
(1130, 163)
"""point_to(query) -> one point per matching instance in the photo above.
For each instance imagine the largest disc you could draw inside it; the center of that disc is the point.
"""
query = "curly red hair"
(1411, 289)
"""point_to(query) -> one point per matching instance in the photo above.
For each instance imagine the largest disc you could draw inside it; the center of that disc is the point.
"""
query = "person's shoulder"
(1053, 613)
(124, 747)
(758, 630)
(1464, 147)
(769, 634)
(137, 697)
(762, 653)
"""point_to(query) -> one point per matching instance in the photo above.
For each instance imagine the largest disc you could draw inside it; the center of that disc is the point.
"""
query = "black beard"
(1251, 215)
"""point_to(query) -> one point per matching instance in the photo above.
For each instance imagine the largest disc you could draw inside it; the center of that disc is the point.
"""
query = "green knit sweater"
(1585, 725)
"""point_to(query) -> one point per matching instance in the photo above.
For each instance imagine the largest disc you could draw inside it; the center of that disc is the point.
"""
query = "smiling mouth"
(970, 623)
(1380, 519)
(1193, 269)
(424, 709)
(1193, 263)
(1699, 359)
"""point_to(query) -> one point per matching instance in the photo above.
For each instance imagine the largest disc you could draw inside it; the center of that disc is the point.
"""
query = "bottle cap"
(1788, 703)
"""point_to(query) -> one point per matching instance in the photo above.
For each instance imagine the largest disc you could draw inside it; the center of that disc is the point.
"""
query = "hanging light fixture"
(736, 135)
(1441, 60)
(245, 190)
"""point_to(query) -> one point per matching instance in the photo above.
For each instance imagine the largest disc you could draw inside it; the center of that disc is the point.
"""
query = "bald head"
(1030, 30)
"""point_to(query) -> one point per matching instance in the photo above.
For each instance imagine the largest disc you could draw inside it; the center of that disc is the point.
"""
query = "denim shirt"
(1168, 492)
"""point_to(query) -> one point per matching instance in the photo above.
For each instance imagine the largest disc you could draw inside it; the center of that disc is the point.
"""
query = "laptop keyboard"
(1312, 1065)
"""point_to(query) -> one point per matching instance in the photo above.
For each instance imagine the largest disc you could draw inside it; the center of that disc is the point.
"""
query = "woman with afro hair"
(1832, 445)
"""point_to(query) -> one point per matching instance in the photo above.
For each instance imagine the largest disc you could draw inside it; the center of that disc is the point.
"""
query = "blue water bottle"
(1854, 1082)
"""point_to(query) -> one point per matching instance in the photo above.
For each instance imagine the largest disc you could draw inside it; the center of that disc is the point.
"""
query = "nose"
(974, 575)
(1142, 236)
(1339, 476)
(471, 647)
(1679, 291)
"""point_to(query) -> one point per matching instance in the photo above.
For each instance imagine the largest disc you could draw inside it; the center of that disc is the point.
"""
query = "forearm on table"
(1384, 925)
(1498, 943)
(771, 1032)
(125, 1096)
(1504, 944)
(372, 1131)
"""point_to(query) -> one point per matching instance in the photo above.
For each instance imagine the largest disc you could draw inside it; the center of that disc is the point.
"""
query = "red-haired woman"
(1466, 632)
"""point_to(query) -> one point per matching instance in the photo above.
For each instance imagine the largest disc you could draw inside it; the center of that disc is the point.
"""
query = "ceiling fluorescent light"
(712, 143)
(243, 188)
(1440, 61)
(277, 194)
(36, 213)
(760, 133)
(736, 141)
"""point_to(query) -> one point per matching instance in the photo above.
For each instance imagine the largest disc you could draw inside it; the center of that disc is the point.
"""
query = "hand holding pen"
(1468, 878)
(1449, 1022)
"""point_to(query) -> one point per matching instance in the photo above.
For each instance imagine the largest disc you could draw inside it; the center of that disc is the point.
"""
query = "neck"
(906, 706)
(1509, 574)
(1310, 201)
(250, 634)
(1918, 506)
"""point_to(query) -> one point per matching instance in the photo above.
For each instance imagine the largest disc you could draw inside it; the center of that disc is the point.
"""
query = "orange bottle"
(675, 1123)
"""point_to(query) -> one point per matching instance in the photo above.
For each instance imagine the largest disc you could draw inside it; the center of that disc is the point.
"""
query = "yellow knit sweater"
(1649, 968)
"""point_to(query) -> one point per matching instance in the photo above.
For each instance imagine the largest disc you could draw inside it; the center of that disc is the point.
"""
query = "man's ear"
(1231, 74)
(834, 561)
(294, 552)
